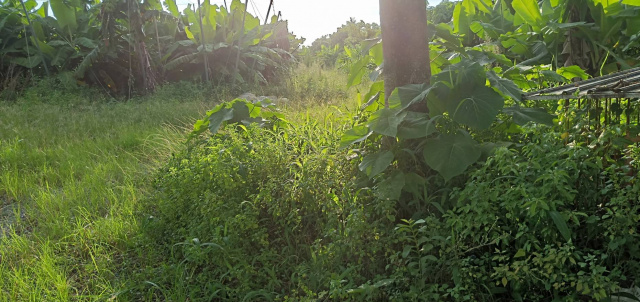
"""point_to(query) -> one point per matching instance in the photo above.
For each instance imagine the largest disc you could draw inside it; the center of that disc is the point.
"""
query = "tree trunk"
(405, 45)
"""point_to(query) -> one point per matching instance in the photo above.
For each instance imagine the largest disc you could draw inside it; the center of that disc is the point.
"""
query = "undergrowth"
(107, 200)
(74, 166)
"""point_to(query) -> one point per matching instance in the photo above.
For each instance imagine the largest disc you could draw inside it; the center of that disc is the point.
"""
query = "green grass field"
(70, 178)
(73, 168)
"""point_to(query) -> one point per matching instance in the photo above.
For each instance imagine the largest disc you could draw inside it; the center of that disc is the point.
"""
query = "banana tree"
(220, 38)
(18, 44)
(22, 50)
(121, 61)
(73, 32)
(592, 34)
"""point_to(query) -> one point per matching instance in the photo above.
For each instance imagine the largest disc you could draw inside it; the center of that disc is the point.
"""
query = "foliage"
(73, 167)
(441, 13)
(261, 112)
(124, 46)
(457, 101)
(546, 221)
(342, 47)
(271, 214)
(594, 35)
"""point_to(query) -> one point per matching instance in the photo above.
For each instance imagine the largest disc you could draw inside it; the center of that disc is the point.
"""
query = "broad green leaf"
(470, 76)
(357, 71)
(469, 7)
(484, 5)
(251, 23)
(406, 250)
(355, 135)
(539, 50)
(217, 118)
(236, 5)
(376, 92)
(385, 121)
(451, 155)
(376, 54)
(200, 126)
(465, 75)
(522, 115)
(65, 15)
(412, 93)
(477, 108)
(172, 7)
(189, 34)
(529, 11)
(44, 48)
(460, 20)
(561, 224)
(374, 164)
(436, 100)
(347, 51)
(521, 253)
(245, 112)
(505, 86)
(152, 5)
(415, 184)
(375, 74)
(43, 11)
(571, 72)
(394, 100)
(28, 62)
(30, 4)
(481, 57)
(551, 75)
(86, 42)
(415, 125)
(391, 188)
(516, 46)
(446, 33)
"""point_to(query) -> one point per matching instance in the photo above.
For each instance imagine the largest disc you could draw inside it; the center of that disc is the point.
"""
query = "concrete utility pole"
(405, 45)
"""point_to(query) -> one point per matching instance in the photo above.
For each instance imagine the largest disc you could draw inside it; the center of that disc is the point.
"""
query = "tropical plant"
(127, 46)
(343, 46)
(231, 45)
(592, 34)
(441, 13)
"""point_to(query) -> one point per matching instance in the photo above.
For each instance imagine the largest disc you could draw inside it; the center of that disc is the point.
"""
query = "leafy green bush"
(549, 220)
(254, 213)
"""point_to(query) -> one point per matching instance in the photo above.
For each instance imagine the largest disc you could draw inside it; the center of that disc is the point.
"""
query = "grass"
(74, 176)
(73, 169)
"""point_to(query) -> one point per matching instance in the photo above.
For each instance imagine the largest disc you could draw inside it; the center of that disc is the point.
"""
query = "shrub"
(549, 220)
(256, 213)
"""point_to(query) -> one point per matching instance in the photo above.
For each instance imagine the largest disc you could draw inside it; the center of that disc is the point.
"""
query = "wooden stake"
(266, 19)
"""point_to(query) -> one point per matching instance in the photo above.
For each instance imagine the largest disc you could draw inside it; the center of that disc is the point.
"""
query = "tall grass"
(71, 173)
(74, 166)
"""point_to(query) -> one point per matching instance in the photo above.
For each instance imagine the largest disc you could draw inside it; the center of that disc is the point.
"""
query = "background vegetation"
(320, 191)
(127, 47)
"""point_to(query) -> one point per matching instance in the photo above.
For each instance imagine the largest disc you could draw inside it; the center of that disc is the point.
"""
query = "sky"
(312, 19)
